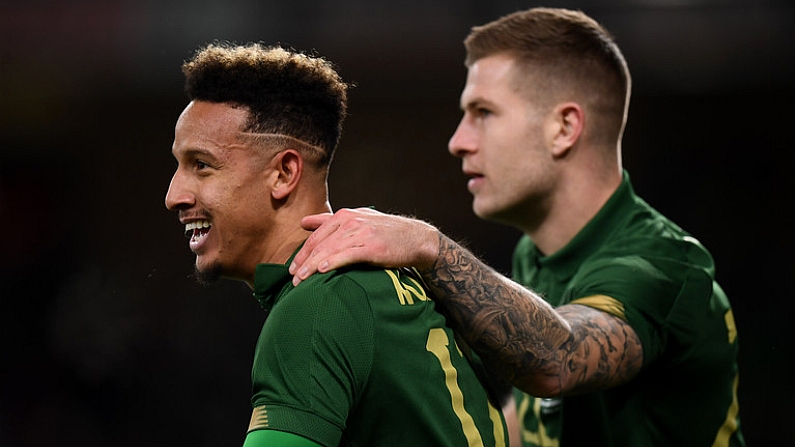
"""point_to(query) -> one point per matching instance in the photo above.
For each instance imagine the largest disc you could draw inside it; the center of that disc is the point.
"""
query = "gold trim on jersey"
(603, 303)
(259, 419)
(729, 318)
(730, 424)
(497, 423)
(540, 436)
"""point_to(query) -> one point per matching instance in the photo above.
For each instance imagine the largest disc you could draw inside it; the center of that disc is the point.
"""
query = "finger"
(302, 265)
(302, 268)
(322, 227)
(316, 247)
(312, 222)
(319, 261)
(325, 249)
(321, 252)
(322, 261)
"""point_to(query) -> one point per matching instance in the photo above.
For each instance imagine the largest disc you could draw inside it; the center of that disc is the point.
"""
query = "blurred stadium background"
(105, 338)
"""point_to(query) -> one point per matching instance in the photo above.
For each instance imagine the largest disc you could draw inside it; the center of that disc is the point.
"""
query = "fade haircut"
(567, 53)
(286, 92)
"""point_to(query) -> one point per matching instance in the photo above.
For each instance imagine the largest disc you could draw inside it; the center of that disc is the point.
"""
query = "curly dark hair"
(285, 91)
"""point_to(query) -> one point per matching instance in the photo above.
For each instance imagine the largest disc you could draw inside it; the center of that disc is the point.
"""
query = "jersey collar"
(590, 238)
(271, 280)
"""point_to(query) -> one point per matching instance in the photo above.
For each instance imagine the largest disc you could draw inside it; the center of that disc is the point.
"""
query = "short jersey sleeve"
(653, 285)
(313, 358)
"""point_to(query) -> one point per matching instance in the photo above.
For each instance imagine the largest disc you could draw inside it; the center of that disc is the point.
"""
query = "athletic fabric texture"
(360, 357)
(633, 262)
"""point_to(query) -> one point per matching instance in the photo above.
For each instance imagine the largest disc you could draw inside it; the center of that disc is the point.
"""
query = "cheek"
(238, 196)
(524, 172)
(249, 208)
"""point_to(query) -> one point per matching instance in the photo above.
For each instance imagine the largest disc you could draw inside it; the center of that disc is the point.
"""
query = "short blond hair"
(566, 51)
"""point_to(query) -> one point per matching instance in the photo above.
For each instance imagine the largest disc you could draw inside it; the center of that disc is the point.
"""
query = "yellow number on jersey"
(437, 344)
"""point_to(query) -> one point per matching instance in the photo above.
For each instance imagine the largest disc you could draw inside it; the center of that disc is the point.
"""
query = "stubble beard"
(207, 276)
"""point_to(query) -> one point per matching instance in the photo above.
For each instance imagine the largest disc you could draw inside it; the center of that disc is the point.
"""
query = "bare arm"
(544, 351)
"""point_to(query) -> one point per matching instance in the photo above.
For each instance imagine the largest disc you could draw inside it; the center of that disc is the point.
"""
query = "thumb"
(313, 221)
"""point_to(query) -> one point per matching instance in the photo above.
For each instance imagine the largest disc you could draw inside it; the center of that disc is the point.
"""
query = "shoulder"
(354, 283)
(646, 261)
(360, 291)
(649, 265)
(328, 303)
(647, 233)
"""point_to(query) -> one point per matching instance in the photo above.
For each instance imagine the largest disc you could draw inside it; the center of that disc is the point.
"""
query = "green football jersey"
(634, 263)
(360, 357)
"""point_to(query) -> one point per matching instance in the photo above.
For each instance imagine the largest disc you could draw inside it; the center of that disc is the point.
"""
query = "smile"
(197, 232)
(197, 228)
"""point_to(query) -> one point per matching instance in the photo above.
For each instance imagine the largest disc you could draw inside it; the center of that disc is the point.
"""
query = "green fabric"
(664, 279)
(272, 438)
(354, 358)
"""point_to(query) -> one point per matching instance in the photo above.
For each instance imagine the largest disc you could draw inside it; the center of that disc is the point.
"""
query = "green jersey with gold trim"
(634, 263)
(360, 357)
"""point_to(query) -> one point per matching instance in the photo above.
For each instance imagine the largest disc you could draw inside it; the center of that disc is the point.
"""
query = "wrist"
(432, 250)
(428, 248)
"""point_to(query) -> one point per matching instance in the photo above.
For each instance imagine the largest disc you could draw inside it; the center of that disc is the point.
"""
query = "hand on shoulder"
(364, 235)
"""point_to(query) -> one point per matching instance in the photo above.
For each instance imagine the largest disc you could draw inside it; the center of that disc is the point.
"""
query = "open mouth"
(197, 230)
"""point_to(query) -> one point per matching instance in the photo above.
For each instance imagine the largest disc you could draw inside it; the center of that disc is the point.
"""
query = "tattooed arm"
(542, 350)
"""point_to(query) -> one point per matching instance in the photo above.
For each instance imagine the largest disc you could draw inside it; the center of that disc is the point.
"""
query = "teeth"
(198, 224)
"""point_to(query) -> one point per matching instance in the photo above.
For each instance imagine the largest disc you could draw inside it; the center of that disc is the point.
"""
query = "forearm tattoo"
(570, 350)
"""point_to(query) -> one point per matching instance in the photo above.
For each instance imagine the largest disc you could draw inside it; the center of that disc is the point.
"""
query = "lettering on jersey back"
(407, 288)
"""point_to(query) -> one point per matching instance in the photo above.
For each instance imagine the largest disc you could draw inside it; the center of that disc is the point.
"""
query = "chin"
(499, 216)
(482, 212)
(207, 275)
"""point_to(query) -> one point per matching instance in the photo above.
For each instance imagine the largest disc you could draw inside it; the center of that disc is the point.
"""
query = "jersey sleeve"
(269, 438)
(648, 287)
(313, 358)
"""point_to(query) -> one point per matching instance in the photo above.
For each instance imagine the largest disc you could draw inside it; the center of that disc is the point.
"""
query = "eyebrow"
(476, 102)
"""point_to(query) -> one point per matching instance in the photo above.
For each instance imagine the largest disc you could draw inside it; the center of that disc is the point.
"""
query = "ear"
(566, 123)
(289, 167)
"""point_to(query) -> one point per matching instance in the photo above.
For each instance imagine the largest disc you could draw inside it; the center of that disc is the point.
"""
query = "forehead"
(490, 78)
(206, 124)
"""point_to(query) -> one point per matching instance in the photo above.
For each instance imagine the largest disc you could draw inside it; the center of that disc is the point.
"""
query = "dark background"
(106, 340)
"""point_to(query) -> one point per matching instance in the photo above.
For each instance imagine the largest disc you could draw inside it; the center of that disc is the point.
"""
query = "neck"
(285, 233)
(290, 234)
(570, 209)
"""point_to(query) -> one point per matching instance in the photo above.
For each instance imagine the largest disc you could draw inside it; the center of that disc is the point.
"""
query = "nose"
(178, 196)
(463, 140)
